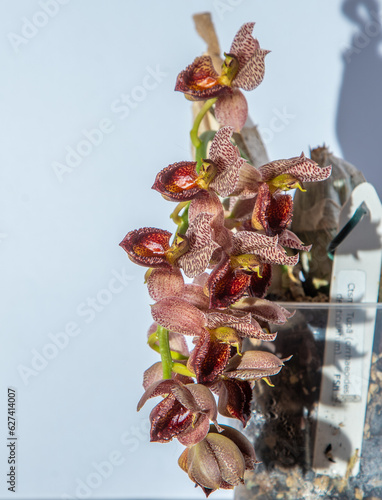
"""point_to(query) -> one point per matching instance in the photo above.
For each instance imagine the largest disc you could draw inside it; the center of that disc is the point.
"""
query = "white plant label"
(349, 339)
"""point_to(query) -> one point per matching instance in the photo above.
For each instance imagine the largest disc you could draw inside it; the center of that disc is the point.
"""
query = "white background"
(59, 234)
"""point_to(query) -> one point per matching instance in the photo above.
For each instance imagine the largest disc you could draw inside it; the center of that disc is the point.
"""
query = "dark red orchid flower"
(219, 173)
(184, 413)
(243, 67)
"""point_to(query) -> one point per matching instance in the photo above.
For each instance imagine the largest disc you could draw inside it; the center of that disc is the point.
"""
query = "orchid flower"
(219, 460)
(150, 247)
(220, 172)
(243, 68)
(184, 413)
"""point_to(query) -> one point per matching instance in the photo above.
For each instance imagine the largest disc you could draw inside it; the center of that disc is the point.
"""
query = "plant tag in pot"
(349, 337)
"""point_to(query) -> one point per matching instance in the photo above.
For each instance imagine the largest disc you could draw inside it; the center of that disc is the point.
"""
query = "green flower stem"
(201, 151)
(199, 117)
(152, 341)
(175, 214)
(164, 349)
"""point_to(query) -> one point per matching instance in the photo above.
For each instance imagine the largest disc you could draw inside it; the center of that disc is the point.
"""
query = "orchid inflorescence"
(240, 240)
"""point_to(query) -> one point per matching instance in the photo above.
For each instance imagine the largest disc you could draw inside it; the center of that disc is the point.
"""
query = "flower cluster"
(232, 232)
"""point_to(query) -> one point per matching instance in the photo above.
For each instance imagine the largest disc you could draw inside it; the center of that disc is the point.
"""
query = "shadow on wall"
(359, 114)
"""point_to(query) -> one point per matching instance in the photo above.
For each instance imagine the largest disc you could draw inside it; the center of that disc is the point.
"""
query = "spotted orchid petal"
(295, 170)
(232, 110)
(290, 240)
(245, 327)
(248, 182)
(253, 365)
(194, 294)
(201, 246)
(247, 242)
(179, 316)
(244, 45)
(225, 285)
(227, 158)
(200, 80)
(263, 310)
(165, 282)
(277, 255)
(178, 182)
(235, 398)
(250, 56)
(147, 246)
(208, 358)
(209, 203)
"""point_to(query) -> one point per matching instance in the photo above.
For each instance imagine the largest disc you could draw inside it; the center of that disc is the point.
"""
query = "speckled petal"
(290, 240)
(164, 282)
(251, 242)
(179, 316)
(244, 45)
(225, 183)
(201, 246)
(276, 255)
(251, 75)
(264, 310)
(302, 168)
(232, 110)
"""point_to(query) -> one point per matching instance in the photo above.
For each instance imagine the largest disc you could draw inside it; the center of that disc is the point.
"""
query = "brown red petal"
(169, 418)
(222, 152)
(179, 316)
(260, 210)
(259, 285)
(264, 310)
(251, 75)
(194, 294)
(235, 398)
(147, 246)
(241, 442)
(280, 212)
(200, 80)
(201, 246)
(244, 45)
(208, 359)
(276, 255)
(253, 365)
(247, 183)
(302, 168)
(251, 242)
(177, 182)
(232, 110)
(164, 282)
(245, 326)
(290, 240)
(226, 286)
